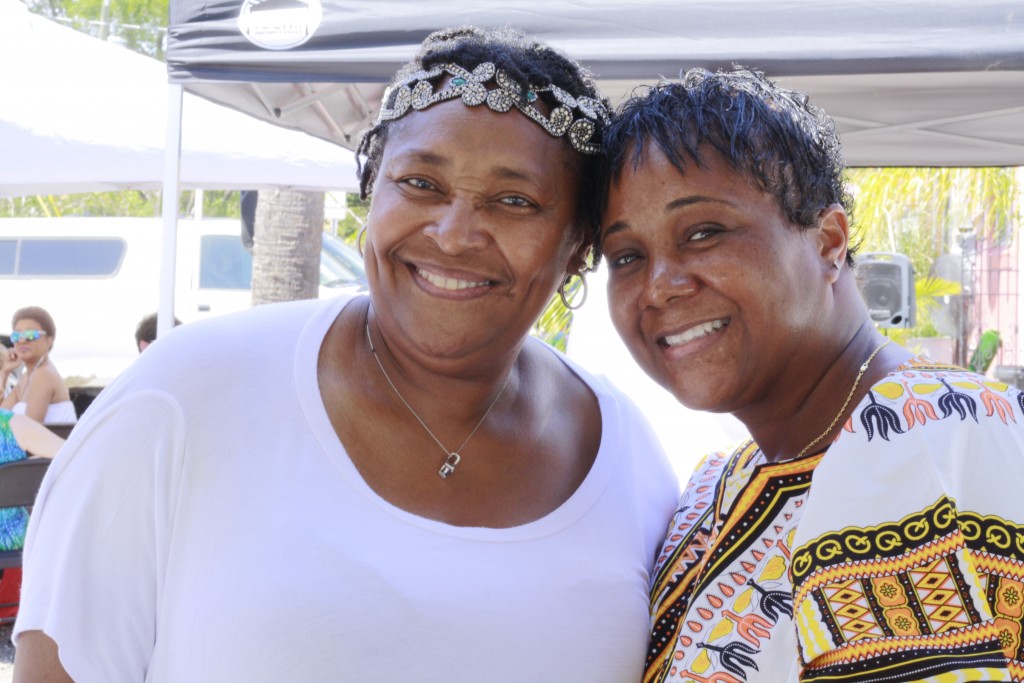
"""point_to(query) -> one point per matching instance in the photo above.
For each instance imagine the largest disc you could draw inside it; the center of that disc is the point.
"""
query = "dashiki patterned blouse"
(903, 562)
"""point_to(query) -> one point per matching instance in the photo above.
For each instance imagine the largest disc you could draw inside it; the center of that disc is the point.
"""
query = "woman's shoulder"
(261, 324)
(621, 420)
(235, 352)
(567, 369)
(949, 388)
(50, 375)
(924, 395)
(570, 379)
(237, 337)
(42, 387)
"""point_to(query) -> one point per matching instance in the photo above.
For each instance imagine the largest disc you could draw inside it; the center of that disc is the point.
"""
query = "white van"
(99, 276)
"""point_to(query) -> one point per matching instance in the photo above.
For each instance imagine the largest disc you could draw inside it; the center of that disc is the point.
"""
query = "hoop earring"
(574, 306)
(360, 238)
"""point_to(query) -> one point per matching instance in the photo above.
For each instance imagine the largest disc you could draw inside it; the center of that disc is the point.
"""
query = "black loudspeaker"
(886, 282)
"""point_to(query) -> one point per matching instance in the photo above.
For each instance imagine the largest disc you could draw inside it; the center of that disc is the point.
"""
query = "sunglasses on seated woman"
(26, 335)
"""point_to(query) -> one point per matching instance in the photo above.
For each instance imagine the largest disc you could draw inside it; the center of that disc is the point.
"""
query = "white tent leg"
(169, 197)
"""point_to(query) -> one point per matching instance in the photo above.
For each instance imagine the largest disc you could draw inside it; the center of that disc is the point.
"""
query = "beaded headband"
(576, 117)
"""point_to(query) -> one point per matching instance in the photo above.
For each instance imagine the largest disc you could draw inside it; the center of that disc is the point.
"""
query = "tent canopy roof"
(84, 115)
(916, 82)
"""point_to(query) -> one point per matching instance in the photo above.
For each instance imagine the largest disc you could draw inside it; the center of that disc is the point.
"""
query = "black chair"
(19, 483)
(61, 430)
(82, 398)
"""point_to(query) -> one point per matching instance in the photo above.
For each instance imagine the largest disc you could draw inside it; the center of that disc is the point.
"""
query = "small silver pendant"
(448, 468)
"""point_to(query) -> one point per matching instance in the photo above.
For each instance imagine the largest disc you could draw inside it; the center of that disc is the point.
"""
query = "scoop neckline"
(572, 509)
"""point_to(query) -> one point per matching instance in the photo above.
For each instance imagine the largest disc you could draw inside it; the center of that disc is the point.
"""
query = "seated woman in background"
(20, 437)
(40, 392)
(871, 529)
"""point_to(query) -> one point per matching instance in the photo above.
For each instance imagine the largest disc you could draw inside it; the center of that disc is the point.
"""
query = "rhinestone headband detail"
(574, 117)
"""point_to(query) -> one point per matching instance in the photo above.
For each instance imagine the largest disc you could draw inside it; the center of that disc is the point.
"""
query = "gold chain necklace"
(849, 397)
(453, 457)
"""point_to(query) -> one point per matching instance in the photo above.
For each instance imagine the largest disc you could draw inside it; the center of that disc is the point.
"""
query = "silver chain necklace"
(453, 457)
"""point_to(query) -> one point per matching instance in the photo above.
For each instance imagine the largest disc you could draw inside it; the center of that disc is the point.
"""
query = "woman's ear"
(834, 236)
(579, 260)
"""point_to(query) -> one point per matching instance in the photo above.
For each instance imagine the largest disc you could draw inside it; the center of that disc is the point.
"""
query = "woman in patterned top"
(21, 436)
(872, 527)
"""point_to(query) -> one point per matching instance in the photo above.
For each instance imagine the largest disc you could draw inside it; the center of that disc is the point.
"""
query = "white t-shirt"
(204, 524)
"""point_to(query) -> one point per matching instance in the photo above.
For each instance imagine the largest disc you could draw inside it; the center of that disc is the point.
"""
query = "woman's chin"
(698, 396)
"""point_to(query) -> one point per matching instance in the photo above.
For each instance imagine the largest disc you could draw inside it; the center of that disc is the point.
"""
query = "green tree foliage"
(216, 204)
(132, 203)
(140, 25)
(355, 218)
(929, 291)
(555, 323)
(124, 203)
(924, 213)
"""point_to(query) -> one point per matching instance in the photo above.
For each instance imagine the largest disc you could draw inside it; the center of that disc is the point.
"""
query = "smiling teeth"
(447, 282)
(696, 331)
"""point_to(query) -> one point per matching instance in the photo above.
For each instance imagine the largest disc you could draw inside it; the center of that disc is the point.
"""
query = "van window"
(224, 263)
(8, 248)
(70, 257)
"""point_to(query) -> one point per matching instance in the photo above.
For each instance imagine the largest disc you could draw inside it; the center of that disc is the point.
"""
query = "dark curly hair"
(776, 137)
(145, 331)
(528, 62)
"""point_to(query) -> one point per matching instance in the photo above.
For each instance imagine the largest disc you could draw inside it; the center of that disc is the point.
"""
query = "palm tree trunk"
(286, 245)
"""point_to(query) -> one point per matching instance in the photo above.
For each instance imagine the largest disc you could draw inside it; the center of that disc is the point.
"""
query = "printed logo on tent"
(279, 24)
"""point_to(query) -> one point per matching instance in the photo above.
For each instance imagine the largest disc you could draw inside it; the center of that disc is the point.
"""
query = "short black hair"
(527, 61)
(774, 136)
(145, 331)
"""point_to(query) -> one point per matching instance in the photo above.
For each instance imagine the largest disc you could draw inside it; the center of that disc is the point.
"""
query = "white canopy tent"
(81, 115)
(78, 114)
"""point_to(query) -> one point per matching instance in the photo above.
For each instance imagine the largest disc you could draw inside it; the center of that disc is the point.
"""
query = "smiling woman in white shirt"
(400, 486)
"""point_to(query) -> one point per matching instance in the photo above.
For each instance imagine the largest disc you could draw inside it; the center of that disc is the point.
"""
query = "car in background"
(346, 259)
(98, 277)
(220, 270)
